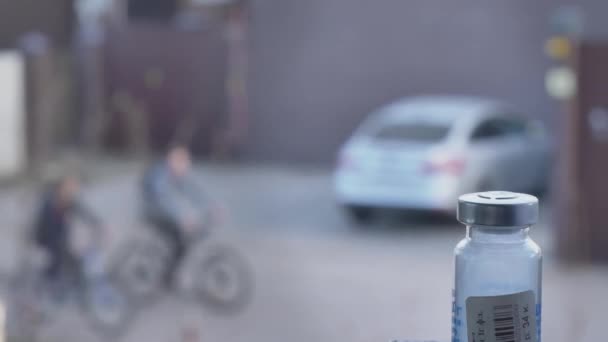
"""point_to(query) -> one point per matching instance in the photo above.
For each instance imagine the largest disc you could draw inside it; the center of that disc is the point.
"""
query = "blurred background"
(335, 135)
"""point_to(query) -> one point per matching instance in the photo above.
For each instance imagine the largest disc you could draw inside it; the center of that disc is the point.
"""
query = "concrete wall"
(319, 66)
(12, 114)
(54, 18)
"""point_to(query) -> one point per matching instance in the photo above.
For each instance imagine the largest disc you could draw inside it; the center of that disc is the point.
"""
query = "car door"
(498, 151)
(540, 154)
(532, 154)
(530, 146)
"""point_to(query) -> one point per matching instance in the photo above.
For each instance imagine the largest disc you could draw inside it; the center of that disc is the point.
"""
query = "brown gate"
(583, 206)
(175, 78)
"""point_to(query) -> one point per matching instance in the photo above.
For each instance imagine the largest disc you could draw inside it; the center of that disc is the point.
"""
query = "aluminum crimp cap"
(498, 208)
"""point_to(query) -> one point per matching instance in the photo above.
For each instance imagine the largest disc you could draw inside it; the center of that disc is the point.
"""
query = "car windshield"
(417, 132)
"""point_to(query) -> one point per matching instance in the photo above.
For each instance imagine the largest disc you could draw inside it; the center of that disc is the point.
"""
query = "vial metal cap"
(498, 208)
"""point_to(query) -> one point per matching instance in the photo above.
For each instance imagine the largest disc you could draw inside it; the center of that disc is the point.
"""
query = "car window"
(497, 128)
(418, 132)
(516, 126)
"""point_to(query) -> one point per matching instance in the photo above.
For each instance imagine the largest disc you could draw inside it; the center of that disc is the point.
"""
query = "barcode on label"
(504, 324)
(504, 318)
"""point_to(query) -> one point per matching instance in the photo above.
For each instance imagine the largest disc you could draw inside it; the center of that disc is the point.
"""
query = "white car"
(423, 152)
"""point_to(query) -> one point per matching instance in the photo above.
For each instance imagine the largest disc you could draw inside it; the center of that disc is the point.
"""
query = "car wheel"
(360, 214)
(540, 190)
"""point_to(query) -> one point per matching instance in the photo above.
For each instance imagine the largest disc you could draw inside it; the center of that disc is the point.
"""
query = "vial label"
(456, 318)
(508, 318)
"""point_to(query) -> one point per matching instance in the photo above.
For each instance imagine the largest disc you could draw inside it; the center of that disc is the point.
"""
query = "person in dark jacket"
(173, 202)
(59, 205)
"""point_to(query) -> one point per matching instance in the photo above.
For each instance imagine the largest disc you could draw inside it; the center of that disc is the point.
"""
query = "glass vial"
(498, 270)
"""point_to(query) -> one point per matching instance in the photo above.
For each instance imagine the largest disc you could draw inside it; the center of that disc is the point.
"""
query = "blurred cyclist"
(52, 230)
(173, 203)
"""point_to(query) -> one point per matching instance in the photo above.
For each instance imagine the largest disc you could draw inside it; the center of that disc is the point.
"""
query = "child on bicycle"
(52, 228)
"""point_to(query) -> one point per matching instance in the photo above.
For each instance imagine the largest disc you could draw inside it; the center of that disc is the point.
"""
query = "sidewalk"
(317, 277)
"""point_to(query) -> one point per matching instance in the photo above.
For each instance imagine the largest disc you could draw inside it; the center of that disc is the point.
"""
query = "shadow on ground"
(406, 221)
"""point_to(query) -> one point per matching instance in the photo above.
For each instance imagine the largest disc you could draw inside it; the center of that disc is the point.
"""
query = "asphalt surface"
(318, 276)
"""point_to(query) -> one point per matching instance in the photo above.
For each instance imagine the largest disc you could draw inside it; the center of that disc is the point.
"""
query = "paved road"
(318, 277)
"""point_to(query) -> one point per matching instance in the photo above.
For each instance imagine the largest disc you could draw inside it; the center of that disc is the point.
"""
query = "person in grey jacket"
(173, 202)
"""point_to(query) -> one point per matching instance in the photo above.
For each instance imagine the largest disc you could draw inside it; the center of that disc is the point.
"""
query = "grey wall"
(54, 18)
(319, 66)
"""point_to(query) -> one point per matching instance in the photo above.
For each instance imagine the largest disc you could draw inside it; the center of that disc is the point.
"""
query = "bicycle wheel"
(23, 319)
(222, 279)
(29, 305)
(23, 316)
(107, 308)
(139, 269)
